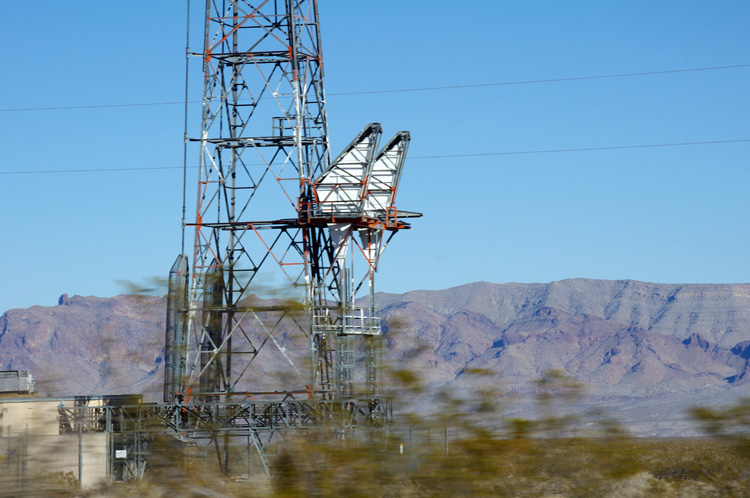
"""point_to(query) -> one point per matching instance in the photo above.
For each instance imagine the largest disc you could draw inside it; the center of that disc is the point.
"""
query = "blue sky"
(662, 214)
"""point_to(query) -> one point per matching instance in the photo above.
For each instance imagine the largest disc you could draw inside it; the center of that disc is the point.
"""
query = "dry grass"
(550, 457)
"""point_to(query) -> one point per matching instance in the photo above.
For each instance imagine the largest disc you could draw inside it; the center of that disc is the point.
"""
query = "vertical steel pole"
(229, 282)
(409, 451)
(110, 453)
(429, 452)
(446, 442)
(80, 453)
(25, 456)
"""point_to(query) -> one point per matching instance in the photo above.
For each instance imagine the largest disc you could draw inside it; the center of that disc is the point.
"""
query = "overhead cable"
(440, 156)
(402, 90)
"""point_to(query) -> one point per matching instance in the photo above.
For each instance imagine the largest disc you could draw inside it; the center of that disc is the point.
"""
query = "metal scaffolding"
(272, 206)
(103, 440)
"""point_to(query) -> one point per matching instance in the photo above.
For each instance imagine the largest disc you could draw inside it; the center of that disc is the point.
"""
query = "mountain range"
(646, 352)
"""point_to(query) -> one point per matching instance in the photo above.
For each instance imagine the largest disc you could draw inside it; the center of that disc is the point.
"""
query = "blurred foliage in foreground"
(555, 455)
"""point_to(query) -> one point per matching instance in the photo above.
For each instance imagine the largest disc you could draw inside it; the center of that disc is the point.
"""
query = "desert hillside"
(631, 343)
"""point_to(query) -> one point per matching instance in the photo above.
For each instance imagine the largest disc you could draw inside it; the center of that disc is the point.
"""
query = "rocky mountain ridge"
(718, 312)
(629, 342)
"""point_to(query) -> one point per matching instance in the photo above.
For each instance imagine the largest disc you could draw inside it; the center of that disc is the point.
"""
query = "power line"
(586, 149)
(553, 80)
(102, 106)
(441, 156)
(88, 170)
(402, 90)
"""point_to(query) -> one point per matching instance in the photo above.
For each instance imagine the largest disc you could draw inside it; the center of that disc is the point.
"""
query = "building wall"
(29, 430)
(61, 454)
(38, 417)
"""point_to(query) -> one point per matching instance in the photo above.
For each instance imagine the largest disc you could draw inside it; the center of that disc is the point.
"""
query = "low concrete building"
(69, 435)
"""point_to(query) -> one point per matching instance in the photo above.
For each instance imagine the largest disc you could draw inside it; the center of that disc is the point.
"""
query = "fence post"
(110, 445)
(23, 481)
(409, 451)
(429, 444)
(445, 438)
(80, 449)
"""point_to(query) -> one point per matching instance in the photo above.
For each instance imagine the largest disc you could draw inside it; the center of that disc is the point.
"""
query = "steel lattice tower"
(271, 201)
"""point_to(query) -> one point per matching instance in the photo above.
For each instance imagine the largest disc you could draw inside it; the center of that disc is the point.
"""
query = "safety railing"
(347, 321)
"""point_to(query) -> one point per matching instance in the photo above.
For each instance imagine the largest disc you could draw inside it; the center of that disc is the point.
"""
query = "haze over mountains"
(646, 350)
